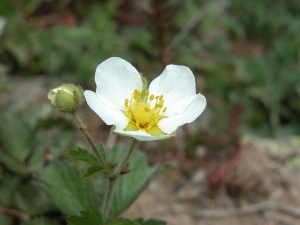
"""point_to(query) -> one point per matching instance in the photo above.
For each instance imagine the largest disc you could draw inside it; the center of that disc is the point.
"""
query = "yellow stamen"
(141, 113)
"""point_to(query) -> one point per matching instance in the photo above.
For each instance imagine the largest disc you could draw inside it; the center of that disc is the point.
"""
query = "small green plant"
(122, 99)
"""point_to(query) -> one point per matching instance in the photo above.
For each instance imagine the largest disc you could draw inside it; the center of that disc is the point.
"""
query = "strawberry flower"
(123, 100)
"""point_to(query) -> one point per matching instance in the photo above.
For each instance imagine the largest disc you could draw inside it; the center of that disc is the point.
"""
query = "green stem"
(113, 180)
(124, 162)
(108, 198)
(88, 137)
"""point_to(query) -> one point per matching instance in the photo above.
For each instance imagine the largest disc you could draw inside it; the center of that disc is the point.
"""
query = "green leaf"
(15, 136)
(36, 160)
(63, 185)
(82, 155)
(90, 217)
(32, 200)
(40, 221)
(13, 164)
(93, 171)
(130, 185)
(122, 222)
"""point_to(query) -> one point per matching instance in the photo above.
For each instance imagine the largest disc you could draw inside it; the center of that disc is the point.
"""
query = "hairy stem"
(87, 135)
(113, 180)
(108, 198)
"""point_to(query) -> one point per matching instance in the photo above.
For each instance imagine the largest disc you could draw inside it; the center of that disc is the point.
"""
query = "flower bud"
(66, 97)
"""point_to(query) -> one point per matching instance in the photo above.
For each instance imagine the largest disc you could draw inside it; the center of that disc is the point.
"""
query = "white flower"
(145, 115)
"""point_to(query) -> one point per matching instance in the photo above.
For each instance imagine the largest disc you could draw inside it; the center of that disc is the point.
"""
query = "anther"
(165, 109)
(126, 102)
(151, 97)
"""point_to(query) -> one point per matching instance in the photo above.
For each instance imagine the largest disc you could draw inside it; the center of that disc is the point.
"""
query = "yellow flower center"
(144, 113)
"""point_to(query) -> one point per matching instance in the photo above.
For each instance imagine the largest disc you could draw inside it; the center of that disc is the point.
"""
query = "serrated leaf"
(93, 171)
(62, 184)
(122, 222)
(13, 128)
(90, 217)
(82, 155)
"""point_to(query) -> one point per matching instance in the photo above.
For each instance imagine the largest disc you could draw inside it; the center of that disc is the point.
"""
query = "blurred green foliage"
(245, 52)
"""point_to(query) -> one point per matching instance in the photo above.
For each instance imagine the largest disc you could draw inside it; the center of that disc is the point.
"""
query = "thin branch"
(15, 213)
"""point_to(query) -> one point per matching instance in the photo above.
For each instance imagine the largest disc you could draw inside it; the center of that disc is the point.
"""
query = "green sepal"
(82, 155)
(131, 127)
(155, 131)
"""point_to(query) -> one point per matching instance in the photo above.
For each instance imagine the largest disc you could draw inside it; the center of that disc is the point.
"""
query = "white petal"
(109, 115)
(140, 135)
(170, 124)
(177, 85)
(116, 80)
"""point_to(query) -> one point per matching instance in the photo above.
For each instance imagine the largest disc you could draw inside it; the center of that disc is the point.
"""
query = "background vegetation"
(245, 55)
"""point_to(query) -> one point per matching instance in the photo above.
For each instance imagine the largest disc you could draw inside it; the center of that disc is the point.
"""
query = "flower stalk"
(87, 135)
(108, 198)
(124, 162)
(113, 180)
